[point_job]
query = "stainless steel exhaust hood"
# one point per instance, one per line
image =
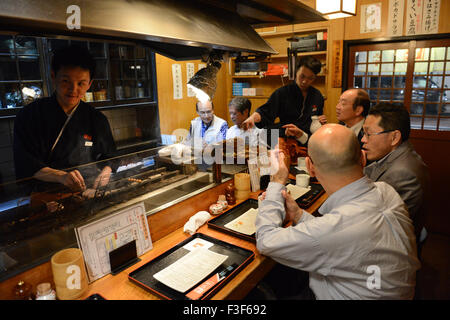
(178, 29)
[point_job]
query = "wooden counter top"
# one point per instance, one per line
(118, 287)
(166, 228)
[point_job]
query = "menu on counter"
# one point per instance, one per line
(96, 239)
(296, 191)
(189, 270)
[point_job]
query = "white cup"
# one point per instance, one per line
(302, 180)
(301, 162)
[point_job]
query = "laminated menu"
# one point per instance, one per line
(189, 270)
(296, 191)
(245, 223)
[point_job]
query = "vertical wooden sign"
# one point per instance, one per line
(336, 68)
(414, 17)
(177, 80)
(430, 15)
(189, 74)
(395, 18)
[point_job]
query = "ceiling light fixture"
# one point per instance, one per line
(204, 82)
(334, 9)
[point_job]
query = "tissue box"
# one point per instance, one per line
(252, 91)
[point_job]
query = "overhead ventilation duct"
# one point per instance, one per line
(179, 29)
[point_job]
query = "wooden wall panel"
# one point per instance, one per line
(178, 113)
(352, 24)
(435, 154)
(335, 33)
(444, 21)
(168, 220)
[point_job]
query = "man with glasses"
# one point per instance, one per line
(352, 108)
(394, 161)
(293, 104)
(207, 128)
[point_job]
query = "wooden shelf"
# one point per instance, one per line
(252, 97)
(312, 53)
(258, 77)
(300, 54)
(269, 34)
(244, 77)
(270, 76)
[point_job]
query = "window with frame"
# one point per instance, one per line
(415, 73)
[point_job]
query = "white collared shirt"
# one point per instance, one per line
(214, 133)
(356, 128)
(252, 134)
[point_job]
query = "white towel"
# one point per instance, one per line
(196, 221)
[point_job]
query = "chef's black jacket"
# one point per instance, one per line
(86, 138)
(287, 104)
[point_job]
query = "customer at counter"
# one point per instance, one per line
(207, 128)
(352, 109)
(54, 134)
(239, 109)
(294, 103)
(362, 247)
(385, 141)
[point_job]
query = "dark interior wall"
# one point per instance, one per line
(6, 153)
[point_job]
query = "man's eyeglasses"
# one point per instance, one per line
(368, 135)
(204, 113)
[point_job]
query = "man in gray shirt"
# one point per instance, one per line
(362, 247)
(394, 161)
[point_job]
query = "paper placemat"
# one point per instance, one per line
(245, 223)
(189, 270)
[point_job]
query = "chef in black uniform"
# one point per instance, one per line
(293, 104)
(53, 135)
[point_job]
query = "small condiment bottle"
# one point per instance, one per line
(45, 292)
(23, 291)
(223, 201)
